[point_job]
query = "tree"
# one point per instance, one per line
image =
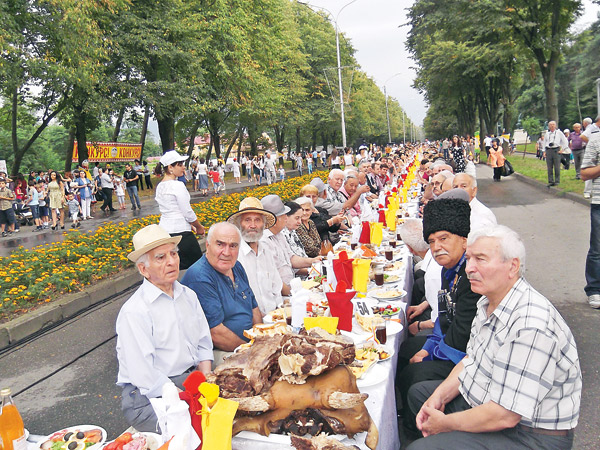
(542, 28)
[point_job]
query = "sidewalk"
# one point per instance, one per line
(27, 238)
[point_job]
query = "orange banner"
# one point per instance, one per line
(110, 151)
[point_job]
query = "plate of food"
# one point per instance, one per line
(385, 294)
(363, 326)
(81, 437)
(360, 367)
(394, 267)
(386, 310)
(377, 374)
(135, 441)
(389, 278)
(370, 350)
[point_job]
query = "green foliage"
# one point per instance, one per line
(533, 127)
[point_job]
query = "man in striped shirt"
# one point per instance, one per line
(520, 384)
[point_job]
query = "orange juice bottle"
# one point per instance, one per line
(12, 430)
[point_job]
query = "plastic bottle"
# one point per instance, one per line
(12, 431)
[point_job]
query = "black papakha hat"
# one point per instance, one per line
(447, 214)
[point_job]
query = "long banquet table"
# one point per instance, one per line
(381, 403)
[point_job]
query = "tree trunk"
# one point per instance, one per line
(549, 76)
(144, 130)
(192, 139)
(279, 137)
(240, 141)
(215, 138)
(70, 145)
(166, 130)
(298, 143)
(79, 116)
(252, 136)
(118, 124)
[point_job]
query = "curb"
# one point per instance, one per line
(552, 190)
(69, 306)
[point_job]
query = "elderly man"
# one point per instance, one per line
(162, 333)
(286, 261)
(447, 184)
(348, 190)
(222, 286)
(257, 257)
(445, 227)
(437, 182)
(335, 202)
(555, 143)
(520, 384)
(481, 215)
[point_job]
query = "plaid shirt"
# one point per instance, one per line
(591, 158)
(523, 357)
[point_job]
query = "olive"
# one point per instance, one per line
(72, 446)
(80, 435)
(67, 436)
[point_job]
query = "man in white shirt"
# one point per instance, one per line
(162, 333)
(555, 143)
(270, 167)
(286, 261)
(255, 256)
(106, 183)
(481, 215)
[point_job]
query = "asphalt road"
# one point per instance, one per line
(66, 376)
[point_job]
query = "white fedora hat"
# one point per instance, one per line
(148, 238)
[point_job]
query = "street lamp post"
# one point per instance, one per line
(339, 64)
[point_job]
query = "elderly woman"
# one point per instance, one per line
(293, 221)
(307, 230)
(325, 223)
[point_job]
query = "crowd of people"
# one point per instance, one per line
(52, 197)
(490, 362)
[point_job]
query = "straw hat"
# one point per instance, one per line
(149, 238)
(252, 204)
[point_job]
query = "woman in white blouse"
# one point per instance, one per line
(176, 214)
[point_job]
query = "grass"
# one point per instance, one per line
(536, 169)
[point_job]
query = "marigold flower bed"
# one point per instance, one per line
(30, 277)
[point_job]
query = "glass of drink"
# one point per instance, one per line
(379, 325)
(393, 243)
(378, 272)
(287, 310)
(389, 253)
(398, 237)
(353, 245)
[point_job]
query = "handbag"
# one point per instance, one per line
(507, 170)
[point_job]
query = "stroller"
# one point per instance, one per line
(23, 214)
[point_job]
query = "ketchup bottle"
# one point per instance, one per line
(12, 431)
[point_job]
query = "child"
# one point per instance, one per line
(74, 210)
(281, 173)
(118, 182)
(7, 213)
(44, 210)
(215, 177)
(34, 205)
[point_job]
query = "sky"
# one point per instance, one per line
(376, 30)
